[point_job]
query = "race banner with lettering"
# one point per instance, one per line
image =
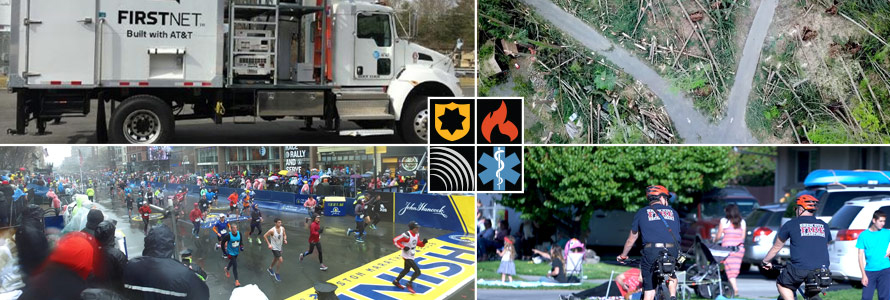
(436, 211)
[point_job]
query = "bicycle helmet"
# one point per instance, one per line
(808, 202)
(655, 191)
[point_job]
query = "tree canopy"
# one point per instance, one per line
(569, 183)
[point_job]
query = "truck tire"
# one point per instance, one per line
(415, 120)
(142, 119)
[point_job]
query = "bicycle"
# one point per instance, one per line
(665, 268)
(813, 285)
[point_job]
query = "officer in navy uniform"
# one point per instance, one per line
(809, 247)
(656, 223)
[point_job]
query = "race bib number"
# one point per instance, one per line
(223, 231)
(236, 244)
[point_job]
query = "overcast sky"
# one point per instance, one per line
(57, 153)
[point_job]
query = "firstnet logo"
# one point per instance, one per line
(163, 18)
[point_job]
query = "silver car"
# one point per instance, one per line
(763, 225)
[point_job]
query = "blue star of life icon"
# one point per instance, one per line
(499, 168)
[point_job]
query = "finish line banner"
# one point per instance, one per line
(445, 267)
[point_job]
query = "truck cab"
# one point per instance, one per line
(245, 60)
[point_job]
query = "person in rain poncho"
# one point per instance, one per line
(156, 275)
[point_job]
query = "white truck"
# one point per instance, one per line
(330, 60)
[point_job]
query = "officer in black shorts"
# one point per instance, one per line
(809, 247)
(656, 223)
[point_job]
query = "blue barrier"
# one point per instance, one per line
(291, 202)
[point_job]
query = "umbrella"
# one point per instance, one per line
(355, 176)
(282, 172)
(314, 177)
(325, 176)
(273, 178)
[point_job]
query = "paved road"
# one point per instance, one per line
(203, 131)
(748, 66)
(341, 253)
(690, 124)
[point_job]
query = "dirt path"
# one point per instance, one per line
(691, 126)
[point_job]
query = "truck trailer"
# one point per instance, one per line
(326, 60)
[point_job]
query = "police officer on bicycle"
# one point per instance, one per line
(660, 228)
(809, 247)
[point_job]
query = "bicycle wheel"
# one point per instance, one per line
(662, 292)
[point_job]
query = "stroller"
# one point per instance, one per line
(704, 278)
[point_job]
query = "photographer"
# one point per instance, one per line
(809, 247)
(658, 225)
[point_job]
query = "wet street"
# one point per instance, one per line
(341, 253)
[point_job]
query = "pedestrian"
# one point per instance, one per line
(507, 268)
(109, 272)
(91, 193)
(94, 217)
(732, 229)
(279, 238)
(315, 242)
(309, 204)
(408, 242)
(232, 246)
(57, 205)
(359, 222)
(196, 216)
(157, 275)
(233, 202)
(145, 212)
(221, 228)
(256, 220)
(873, 258)
(65, 272)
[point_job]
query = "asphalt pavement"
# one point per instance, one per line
(82, 130)
(341, 253)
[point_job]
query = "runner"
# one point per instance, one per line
(145, 212)
(359, 222)
(91, 193)
(278, 236)
(209, 196)
(196, 216)
(246, 199)
(233, 202)
(256, 219)
(408, 241)
(222, 227)
(232, 247)
(309, 204)
(315, 231)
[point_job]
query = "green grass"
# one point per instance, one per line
(488, 269)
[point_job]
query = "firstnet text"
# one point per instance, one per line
(138, 17)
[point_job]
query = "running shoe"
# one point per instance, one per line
(270, 272)
(249, 240)
(301, 256)
(217, 246)
(348, 231)
(323, 267)
(398, 285)
(410, 288)
(259, 241)
(227, 272)
(360, 240)
(278, 277)
(237, 284)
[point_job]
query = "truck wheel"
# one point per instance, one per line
(142, 119)
(415, 120)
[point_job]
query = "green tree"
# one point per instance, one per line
(566, 184)
(756, 166)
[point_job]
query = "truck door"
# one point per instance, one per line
(61, 42)
(373, 46)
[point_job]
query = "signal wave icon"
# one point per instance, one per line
(450, 170)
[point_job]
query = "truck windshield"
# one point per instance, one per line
(376, 27)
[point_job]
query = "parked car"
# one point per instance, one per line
(834, 188)
(846, 225)
(617, 221)
(705, 215)
(763, 225)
